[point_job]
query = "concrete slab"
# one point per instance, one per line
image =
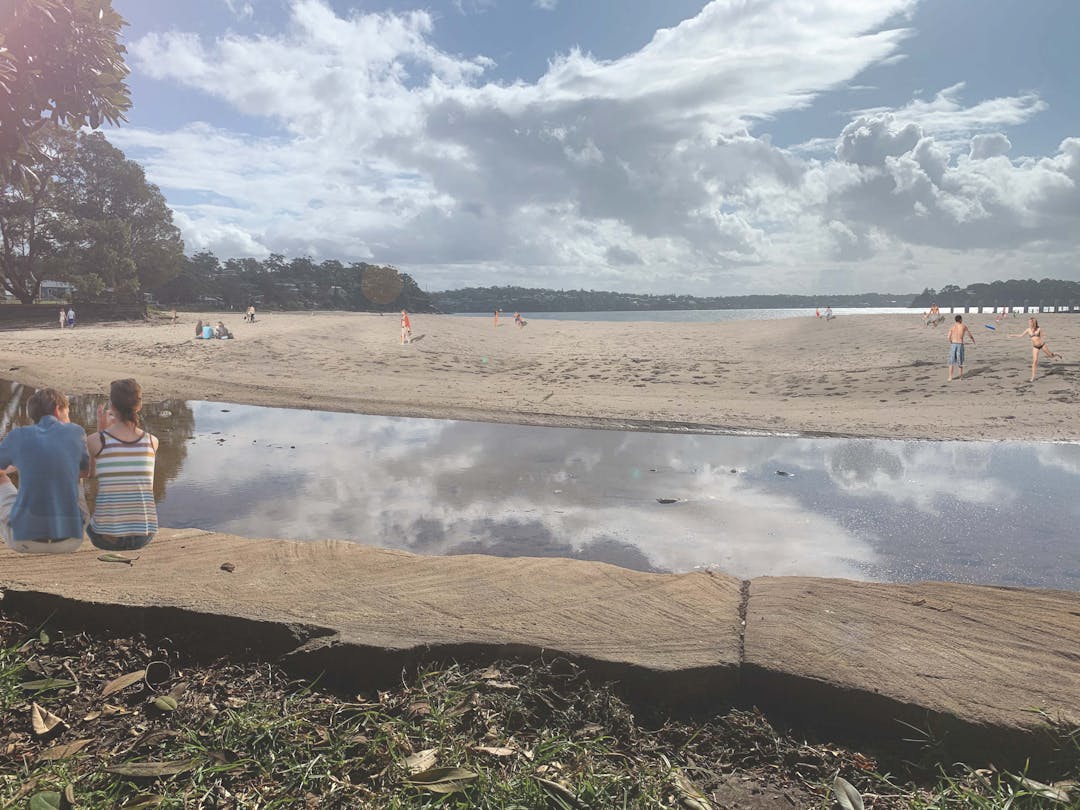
(341, 606)
(969, 662)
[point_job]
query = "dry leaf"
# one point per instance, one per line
(495, 751)
(491, 674)
(142, 801)
(502, 685)
(442, 780)
(690, 796)
(560, 792)
(43, 721)
(147, 770)
(1055, 793)
(63, 751)
(69, 795)
(47, 684)
(846, 794)
(91, 716)
(123, 682)
(421, 760)
(117, 558)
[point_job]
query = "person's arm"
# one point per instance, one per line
(969, 334)
(1025, 333)
(93, 447)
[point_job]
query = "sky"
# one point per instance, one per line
(711, 148)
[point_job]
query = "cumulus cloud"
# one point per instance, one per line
(650, 171)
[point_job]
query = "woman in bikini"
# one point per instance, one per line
(122, 459)
(1038, 344)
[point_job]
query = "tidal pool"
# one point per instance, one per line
(987, 512)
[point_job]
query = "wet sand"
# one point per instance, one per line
(866, 375)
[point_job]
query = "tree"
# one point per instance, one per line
(89, 211)
(60, 61)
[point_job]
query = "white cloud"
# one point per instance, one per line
(546, 5)
(241, 9)
(641, 172)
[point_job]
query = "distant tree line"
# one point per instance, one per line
(280, 283)
(1014, 292)
(488, 299)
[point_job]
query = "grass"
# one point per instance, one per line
(521, 736)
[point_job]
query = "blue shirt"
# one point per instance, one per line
(49, 456)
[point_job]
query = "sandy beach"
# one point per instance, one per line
(866, 375)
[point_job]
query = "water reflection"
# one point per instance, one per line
(973, 512)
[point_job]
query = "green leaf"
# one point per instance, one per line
(43, 637)
(47, 800)
(165, 703)
(846, 795)
(560, 793)
(148, 770)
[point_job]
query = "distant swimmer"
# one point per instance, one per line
(1038, 344)
(956, 345)
(406, 328)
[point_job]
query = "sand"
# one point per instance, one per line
(865, 375)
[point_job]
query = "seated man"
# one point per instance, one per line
(46, 514)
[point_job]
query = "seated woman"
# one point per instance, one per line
(122, 458)
(198, 329)
(222, 332)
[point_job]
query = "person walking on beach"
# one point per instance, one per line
(1038, 344)
(250, 317)
(46, 513)
(175, 317)
(122, 458)
(957, 332)
(63, 317)
(71, 318)
(406, 328)
(496, 319)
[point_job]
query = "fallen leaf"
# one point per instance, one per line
(1053, 792)
(49, 800)
(165, 703)
(420, 709)
(495, 751)
(502, 685)
(421, 760)
(690, 796)
(43, 721)
(43, 637)
(69, 795)
(442, 780)
(47, 684)
(123, 682)
(560, 792)
(141, 801)
(91, 716)
(846, 794)
(147, 770)
(178, 691)
(491, 674)
(63, 751)
(117, 558)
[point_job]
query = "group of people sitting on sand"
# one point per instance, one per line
(47, 512)
(204, 331)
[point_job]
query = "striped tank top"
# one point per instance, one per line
(125, 495)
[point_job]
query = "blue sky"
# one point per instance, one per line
(713, 147)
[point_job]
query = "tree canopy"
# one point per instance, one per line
(90, 217)
(60, 61)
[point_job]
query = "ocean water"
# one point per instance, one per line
(696, 315)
